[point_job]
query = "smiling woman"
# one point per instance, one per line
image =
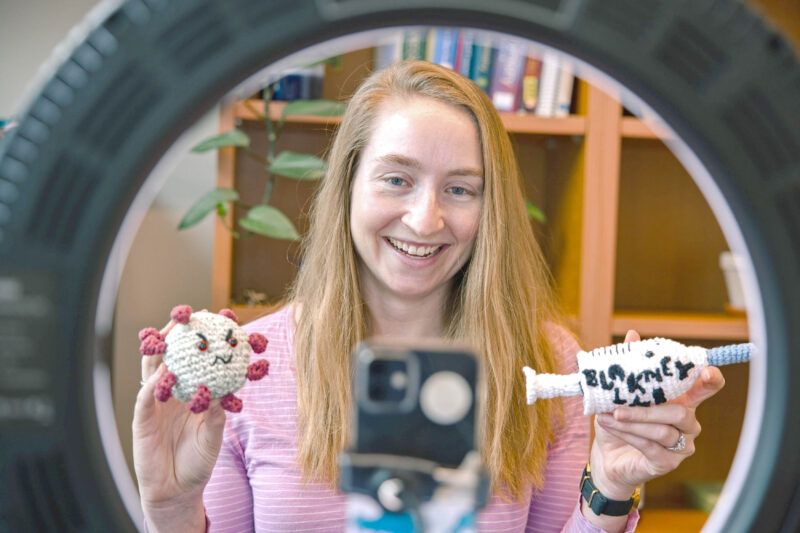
(110, 104)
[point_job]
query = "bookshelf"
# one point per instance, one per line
(599, 176)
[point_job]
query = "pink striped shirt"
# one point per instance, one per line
(256, 484)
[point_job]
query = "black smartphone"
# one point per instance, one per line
(414, 448)
(415, 401)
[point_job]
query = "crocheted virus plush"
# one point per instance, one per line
(207, 356)
(648, 372)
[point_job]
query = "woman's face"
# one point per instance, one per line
(416, 198)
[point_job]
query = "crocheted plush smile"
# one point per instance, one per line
(207, 355)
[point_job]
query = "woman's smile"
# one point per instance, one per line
(416, 251)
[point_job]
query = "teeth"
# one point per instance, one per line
(416, 251)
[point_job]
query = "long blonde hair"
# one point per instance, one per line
(500, 304)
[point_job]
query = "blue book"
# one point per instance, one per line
(300, 84)
(445, 47)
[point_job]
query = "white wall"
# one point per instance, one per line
(164, 267)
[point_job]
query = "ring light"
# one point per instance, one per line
(138, 72)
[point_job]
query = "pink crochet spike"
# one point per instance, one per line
(258, 370)
(164, 387)
(153, 344)
(229, 314)
(181, 314)
(200, 399)
(258, 342)
(147, 332)
(231, 403)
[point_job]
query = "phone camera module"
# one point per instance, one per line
(388, 380)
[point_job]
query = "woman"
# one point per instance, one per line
(419, 230)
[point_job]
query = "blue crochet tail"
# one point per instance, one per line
(734, 353)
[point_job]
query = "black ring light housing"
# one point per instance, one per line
(142, 71)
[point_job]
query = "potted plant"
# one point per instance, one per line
(262, 218)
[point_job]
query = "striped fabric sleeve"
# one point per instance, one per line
(228, 497)
(552, 507)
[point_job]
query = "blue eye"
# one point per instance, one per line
(394, 180)
(458, 191)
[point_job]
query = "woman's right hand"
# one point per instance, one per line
(174, 452)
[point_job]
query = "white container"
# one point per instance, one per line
(730, 269)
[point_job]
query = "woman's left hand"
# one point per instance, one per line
(631, 444)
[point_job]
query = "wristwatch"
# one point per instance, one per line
(599, 504)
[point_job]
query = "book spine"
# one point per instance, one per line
(548, 86)
(414, 43)
(445, 45)
(530, 83)
(507, 75)
(482, 57)
(566, 82)
(466, 40)
(430, 44)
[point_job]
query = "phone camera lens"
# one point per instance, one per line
(388, 380)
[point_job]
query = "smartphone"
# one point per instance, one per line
(413, 463)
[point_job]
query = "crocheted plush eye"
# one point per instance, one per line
(202, 345)
(233, 342)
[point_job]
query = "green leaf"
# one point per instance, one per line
(298, 166)
(269, 221)
(534, 212)
(229, 138)
(208, 203)
(319, 108)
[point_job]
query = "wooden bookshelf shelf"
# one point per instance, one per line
(514, 122)
(634, 128)
(531, 124)
(254, 109)
(687, 325)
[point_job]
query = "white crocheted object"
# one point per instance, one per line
(221, 365)
(644, 373)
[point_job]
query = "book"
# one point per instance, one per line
(530, 83)
(430, 43)
(464, 48)
(445, 45)
(566, 82)
(303, 83)
(507, 70)
(415, 43)
(548, 85)
(482, 58)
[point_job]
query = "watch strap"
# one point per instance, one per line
(600, 504)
